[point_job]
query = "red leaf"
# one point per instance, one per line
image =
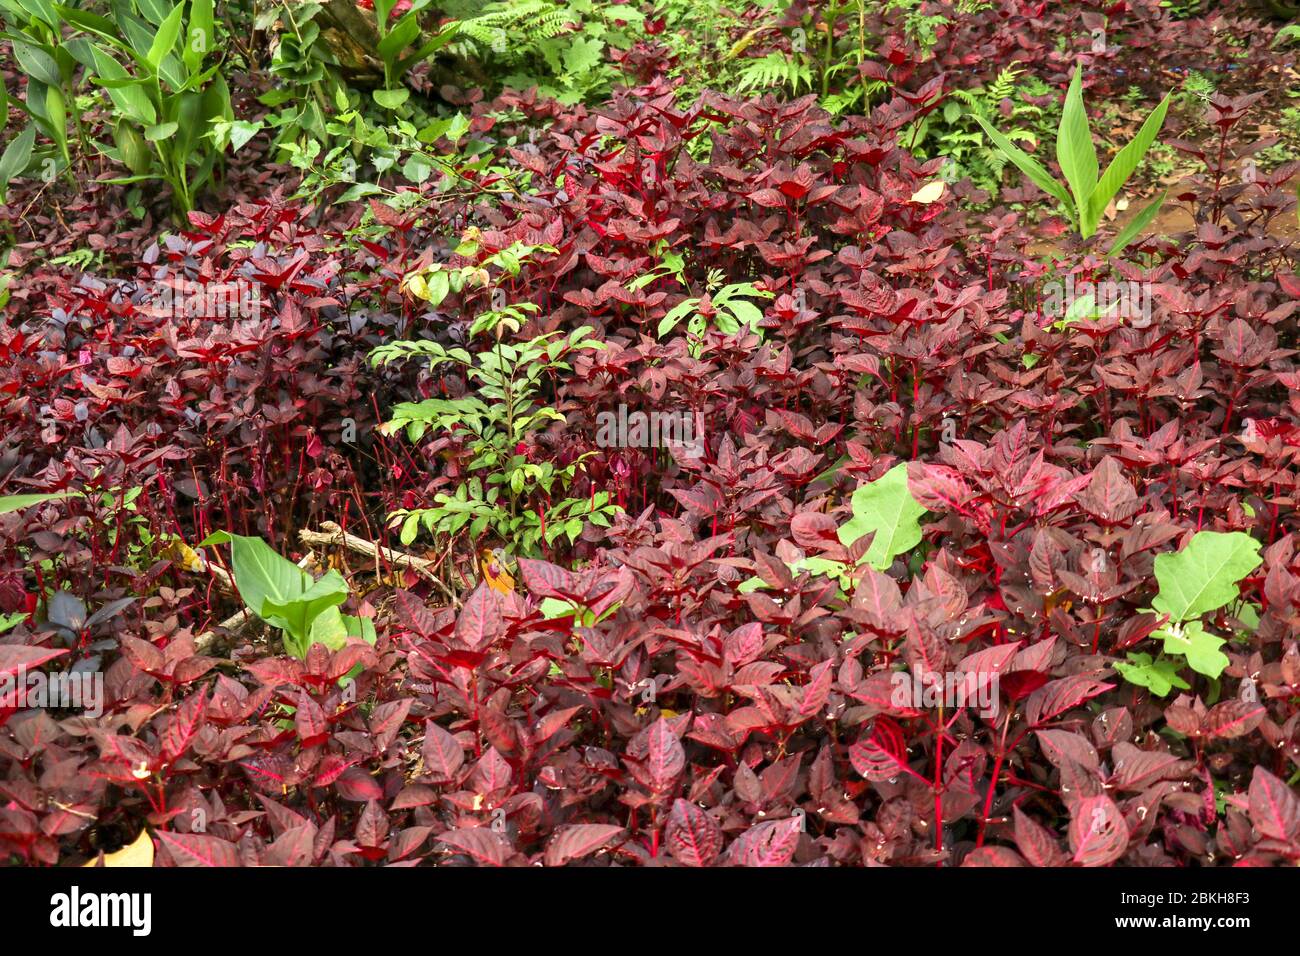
(372, 827)
(480, 619)
(1036, 843)
(882, 755)
(743, 644)
(1233, 718)
(20, 657)
(693, 836)
(575, 842)
(309, 721)
(357, 785)
(768, 844)
(665, 759)
(818, 689)
(1274, 807)
(490, 774)
(481, 844)
(196, 849)
(1098, 833)
(993, 856)
(1064, 743)
(412, 614)
(1058, 696)
(442, 753)
(182, 725)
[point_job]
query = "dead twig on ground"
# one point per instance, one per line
(332, 534)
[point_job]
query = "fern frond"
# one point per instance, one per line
(774, 70)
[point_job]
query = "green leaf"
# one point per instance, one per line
(391, 99)
(160, 131)
(1199, 646)
(10, 503)
(583, 54)
(200, 35)
(164, 41)
(57, 116)
(92, 23)
(14, 160)
(35, 62)
(1158, 676)
(1074, 149)
(1204, 575)
(886, 507)
(401, 36)
(1121, 168)
(675, 315)
(1029, 166)
(1136, 225)
(130, 97)
(298, 616)
(262, 575)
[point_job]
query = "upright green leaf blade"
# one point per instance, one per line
(200, 35)
(164, 41)
(886, 507)
(1203, 576)
(1074, 149)
(1029, 166)
(1121, 168)
(1136, 225)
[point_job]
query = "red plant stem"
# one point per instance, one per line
(993, 783)
(938, 787)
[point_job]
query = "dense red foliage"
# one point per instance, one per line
(696, 723)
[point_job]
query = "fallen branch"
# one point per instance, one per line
(332, 534)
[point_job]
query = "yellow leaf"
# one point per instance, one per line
(139, 853)
(187, 557)
(495, 573)
(415, 285)
(928, 193)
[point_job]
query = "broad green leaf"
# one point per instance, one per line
(164, 41)
(1121, 168)
(1203, 576)
(200, 35)
(262, 574)
(1158, 676)
(130, 97)
(675, 315)
(57, 115)
(1029, 166)
(1074, 150)
(398, 39)
(161, 131)
(391, 99)
(1136, 225)
(886, 507)
(92, 23)
(429, 48)
(36, 62)
(1201, 648)
(10, 503)
(297, 615)
(362, 627)
(327, 628)
(14, 160)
